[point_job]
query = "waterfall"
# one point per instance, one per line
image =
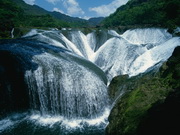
(61, 86)
(12, 33)
(147, 36)
(65, 73)
(81, 42)
(135, 51)
(153, 56)
(115, 54)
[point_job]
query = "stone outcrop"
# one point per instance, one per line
(150, 103)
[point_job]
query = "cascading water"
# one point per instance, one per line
(115, 54)
(64, 87)
(147, 36)
(135, 51)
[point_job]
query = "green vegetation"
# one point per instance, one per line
(9, 14)
(136, 13)
(21, 16)
(132, 114)
(43, 21)
(164, 13)
(17, 14)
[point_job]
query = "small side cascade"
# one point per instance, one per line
(12, 33)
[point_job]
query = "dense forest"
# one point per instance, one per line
(163, 13)
(9, 16)
(18, 14)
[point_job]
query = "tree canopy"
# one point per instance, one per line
(13, 15)
(165, 13)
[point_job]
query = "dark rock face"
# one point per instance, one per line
(117, 86)
(14, 62)
(162, 118)
(152, 106)
(13, 91)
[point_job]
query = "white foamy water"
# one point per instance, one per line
(80, 40)
(31, 33)
(153, 56)
(12, 120)
(5, 123)
(130, 53)
(147, 36)
(116, 56)
(66, 87)
(50, 120)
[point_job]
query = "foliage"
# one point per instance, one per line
(132, 107)
(165, 13)
(17, 14)
(42, 21)
(148, 91)
(9, 14)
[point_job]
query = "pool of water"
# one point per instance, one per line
(35, 124)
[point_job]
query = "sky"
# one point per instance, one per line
(80, 8)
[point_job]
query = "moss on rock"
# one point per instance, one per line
(132, 109)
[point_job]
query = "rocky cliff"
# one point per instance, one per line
(150, 103)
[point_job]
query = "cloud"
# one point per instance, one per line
(53, 1)
(106, 10)
(73, 7)
(30, 2)
(58, 10)
(86, 17)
